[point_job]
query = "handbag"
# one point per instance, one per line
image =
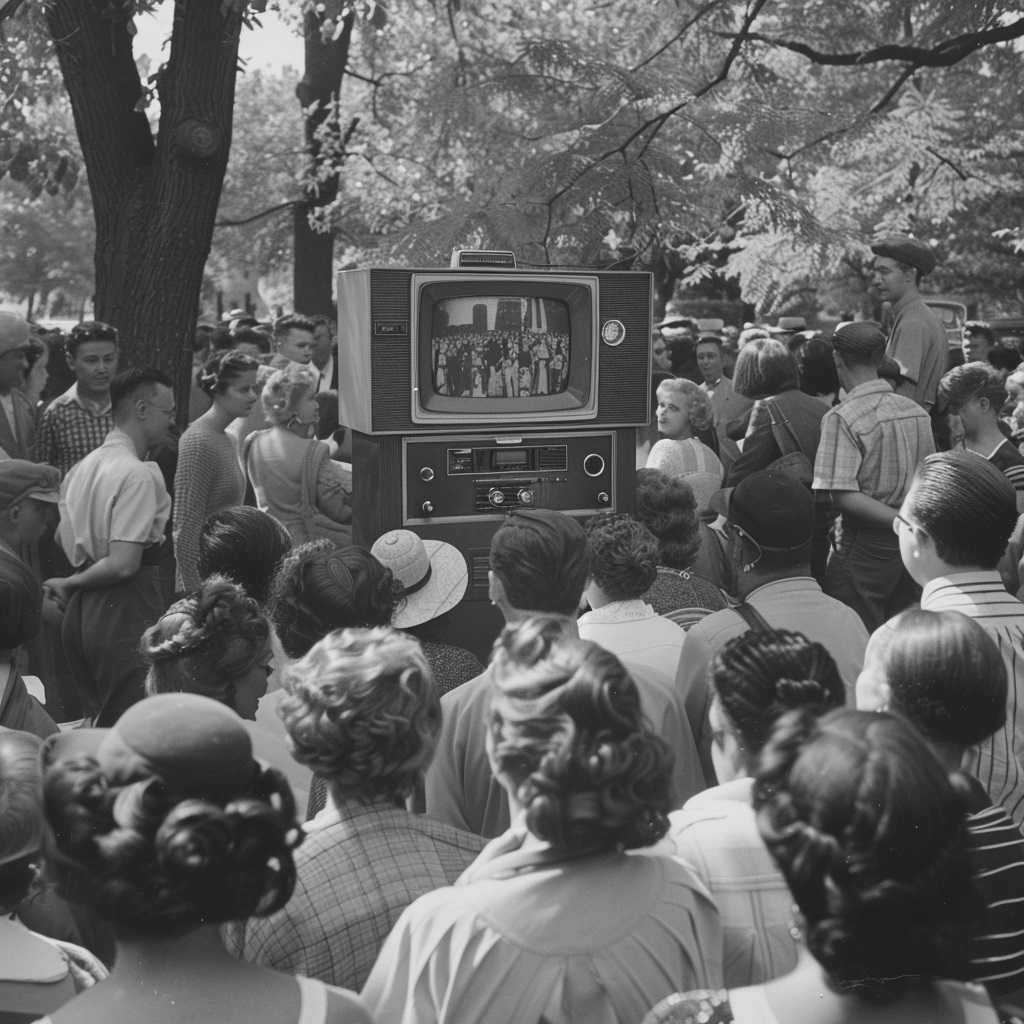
(792, 462)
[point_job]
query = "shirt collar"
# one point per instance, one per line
(958, 582)
(868, 388)
(789, 585)
(621, 611)
(349, 812)
(72, 395)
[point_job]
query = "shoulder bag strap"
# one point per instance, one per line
(781, 430)
(751, 616)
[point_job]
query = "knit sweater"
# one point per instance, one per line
(209, 478)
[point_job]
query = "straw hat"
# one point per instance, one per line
(433, 574)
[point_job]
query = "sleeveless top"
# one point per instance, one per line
(312, 1004)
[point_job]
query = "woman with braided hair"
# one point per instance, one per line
(756, 678)
(555, 921)
(868, 830)
(166, 827)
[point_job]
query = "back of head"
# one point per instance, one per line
(285, 390)
(764, 367)
(292, 322)
(859, 344)
(971, 381)
(966, 506)
(253, 336)
(362, 712)
(568, 738)
(944, 672)
(155, 845)
(868, 830)
(542, 560)
(21, 811)
(21, 602)
(817, 368)
(760, 675)
(319, 589)
(623, 555)
(245, 545)
(131, 385)
(206, 643)
(667, 507)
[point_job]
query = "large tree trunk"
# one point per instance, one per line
(155, 200)
(321, 83)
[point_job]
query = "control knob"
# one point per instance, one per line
(603, 498)
(428, 508)
(496, 496)
(526, 496)
(426, 474)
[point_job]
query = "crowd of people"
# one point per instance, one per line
(500, 364)
(752, 752)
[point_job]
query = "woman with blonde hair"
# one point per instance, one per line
(292, 473)
(362, 712)
(555, 921)
(684, 409)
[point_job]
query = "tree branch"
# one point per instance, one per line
(256, 216)
(944, 55)
(687, 25)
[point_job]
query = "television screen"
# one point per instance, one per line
(500, 346)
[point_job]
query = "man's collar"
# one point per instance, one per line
(975, 579)
(74, 395)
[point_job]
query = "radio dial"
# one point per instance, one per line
(603, 498)
(525, 497)
(593, 465)
(428, 508)
(426, 474)
(496, 496)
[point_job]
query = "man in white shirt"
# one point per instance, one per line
(113, 511)
(953, 527)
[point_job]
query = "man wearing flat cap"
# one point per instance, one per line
(917, 341)
(871, 445)
(17, 419)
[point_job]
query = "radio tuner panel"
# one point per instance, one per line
(474, 478)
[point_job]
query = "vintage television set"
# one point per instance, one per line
(473, 391)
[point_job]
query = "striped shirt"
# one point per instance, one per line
(1010, 462)
(997, 762)
(996, 852)
(872, 442)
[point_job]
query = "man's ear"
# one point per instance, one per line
(496, 590)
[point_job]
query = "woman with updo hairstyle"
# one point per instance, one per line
(943, 672)
(209, 477)
(766, 371)
(555, 920)
(219, 644)
(691, 561)
(319, 588)
(362, 712)
(684, 411)
(166, 827)
(756, 678)
(292, 473)
(867, 828)
(245, 545)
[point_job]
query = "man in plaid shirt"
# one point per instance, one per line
(871, 445)
(78, 421)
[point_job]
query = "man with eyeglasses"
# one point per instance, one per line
(114, 508)
(871, 444)
(769, 522)
(78, 421)
(953, 527)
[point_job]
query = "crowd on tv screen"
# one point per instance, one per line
(750, 752)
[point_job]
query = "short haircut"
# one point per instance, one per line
(568, 736)
(979, 327)
(698, 401)
(248, 336)
(667, 507)
(709, 339)
(292, 322)
(246, 545)
(945, 674)
(623, 555)
(761, 674)
(88, 330)
(205, 643)
(320, 588)
(362, 712)
(323, 320)
(222, 370)
(542, 560)
(966, 506)
(130, 385)
(765, 367)
(970, 381)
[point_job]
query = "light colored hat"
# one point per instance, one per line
(433, 574)
(14, 333)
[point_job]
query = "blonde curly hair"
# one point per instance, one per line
(702, 413)
(284, 390)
